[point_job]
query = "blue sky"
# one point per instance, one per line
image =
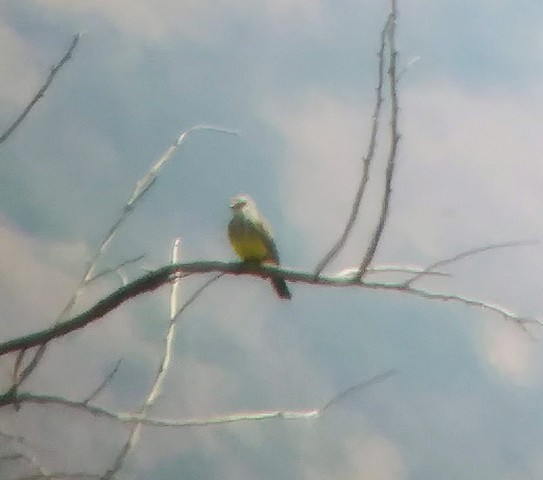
(296, 79)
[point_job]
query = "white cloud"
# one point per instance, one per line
(468, 169)
(510, 350)
(362, 456)
(474, 155)
(19, 78)
(324, 141)
(203, 20)
(469, 174)
(33, 288)
(374, 456)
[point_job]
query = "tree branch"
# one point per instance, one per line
(142, 187)
(175, 314)
(130, 418)
(60, 476)
(157, 278)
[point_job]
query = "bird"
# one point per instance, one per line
(252, 240)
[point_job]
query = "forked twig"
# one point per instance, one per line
(366, 162)
(130, 418)
(394, 140)
(142, 186)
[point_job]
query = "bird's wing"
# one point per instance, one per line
(266, 235)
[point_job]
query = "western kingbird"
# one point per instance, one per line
(252, 240)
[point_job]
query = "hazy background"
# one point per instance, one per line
(297, 79)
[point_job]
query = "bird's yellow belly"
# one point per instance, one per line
(249, 247)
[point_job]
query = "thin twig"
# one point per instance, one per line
(380, 269)
(142, 187)
(107, 271)
(145, 183)
(60, 476)
(358, 387)
(41, 92)
(472, 302)
(465, 254)
(395, 138)
(104, 383)
(366, 163)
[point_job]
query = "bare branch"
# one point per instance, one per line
(163, 275)
(147, 181)
(366, 163)
(165, 363)
(142, 186)
(465, 254)
(394, 140)
(133, 436)
(104, 383)
(472, 302)
(204, 421)
(379, 269)
(41, 92)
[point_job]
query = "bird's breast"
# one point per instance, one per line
(247, 242)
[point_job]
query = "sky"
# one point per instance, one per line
(296, 79)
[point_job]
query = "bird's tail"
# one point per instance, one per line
(280, 286)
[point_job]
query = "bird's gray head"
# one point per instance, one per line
(239, 202)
